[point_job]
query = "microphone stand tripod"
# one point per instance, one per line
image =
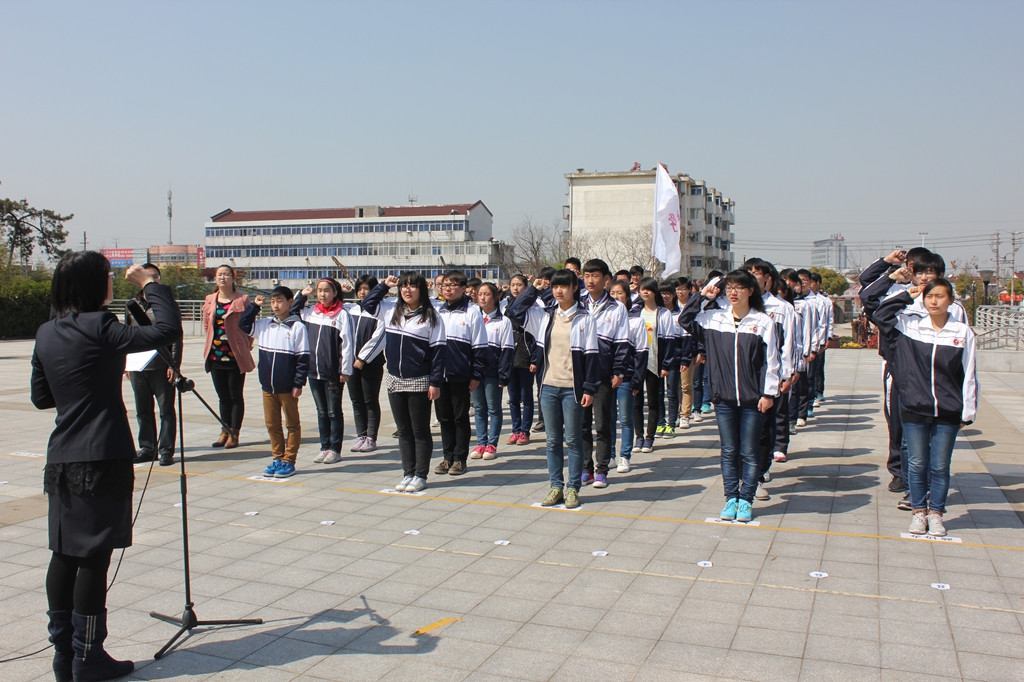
(188, 620)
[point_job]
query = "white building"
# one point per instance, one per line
(830, 253)
(295, 247)
(611, 214)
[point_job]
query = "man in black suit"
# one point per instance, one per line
(155, 382)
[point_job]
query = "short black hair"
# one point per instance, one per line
(368, 280)
(816, 277)
(597, 265)
(546, 273)
(150, 266)
(930, 261)
(682, 282)
(636, 270)
(282, 290)
(574, 260)
(804, 272)
(458, 277)
(80, 283)
(620, 273)
(917, 252)
(474, 282)
(712, 274)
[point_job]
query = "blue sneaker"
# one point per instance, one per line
(284, 470)
(586, 479)
(705, 408)
(743, 511)
(272, 467)
(729, 512)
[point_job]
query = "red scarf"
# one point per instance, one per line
(331, 310)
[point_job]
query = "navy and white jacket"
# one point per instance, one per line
(686, 345)
(742, 359)
(413, 347)
(284, 349)
(612, 327)
(806, 322)
(367, 335)
(638, 352)
(466, 339)
(500, 346)
(935, 369)
(330, 340)
(582, 338)
(784, 316)
(668, 335)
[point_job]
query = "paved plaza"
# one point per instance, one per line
(471, 580)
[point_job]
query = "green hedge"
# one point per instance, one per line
(24, 305)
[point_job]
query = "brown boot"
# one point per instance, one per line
(232, 442)
(221, 440)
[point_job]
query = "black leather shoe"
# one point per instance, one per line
(144, 457)
(166, 460)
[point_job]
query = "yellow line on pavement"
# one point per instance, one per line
(669, 519)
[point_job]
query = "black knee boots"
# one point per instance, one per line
(91, 663)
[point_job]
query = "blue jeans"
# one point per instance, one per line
(563, 420)
(520, 399)
(668, 397)
(329, 417)
(487, 411)
(739, 429)
(929, 451)
(622, 412)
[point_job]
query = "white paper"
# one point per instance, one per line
(600, 553)
(252, 513)
(501, 542)
(412, 532)
(712, 519)
(327, 523)
(704, 564)
(136, 362)
(940, 586)
(944, 538)
(818, 574)
(400, 492)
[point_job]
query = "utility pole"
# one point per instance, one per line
(85, 241)
(170, 215)
(922, 235)
(995, 249)
(1014, 245)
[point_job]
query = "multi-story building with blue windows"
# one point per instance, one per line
(295, 247)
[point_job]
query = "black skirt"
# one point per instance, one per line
(90, 506)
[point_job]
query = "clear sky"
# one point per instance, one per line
(876, 120)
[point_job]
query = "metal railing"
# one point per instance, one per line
(999, 327)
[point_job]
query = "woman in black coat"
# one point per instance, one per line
(77, 367)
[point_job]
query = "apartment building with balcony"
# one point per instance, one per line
(612, 214)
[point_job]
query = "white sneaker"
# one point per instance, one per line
(696, 418)
(935, 527)
(403, 484)
(332, 457)
(416, 485)
(357, 446)
(435, 424)
(623, 467)
(817, 402)
(684, 423)
(762, 493)
(767, 476)
(320, 457)
(779, 456)
(918, 524)
(801, 422)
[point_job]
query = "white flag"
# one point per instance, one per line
(666, 222)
